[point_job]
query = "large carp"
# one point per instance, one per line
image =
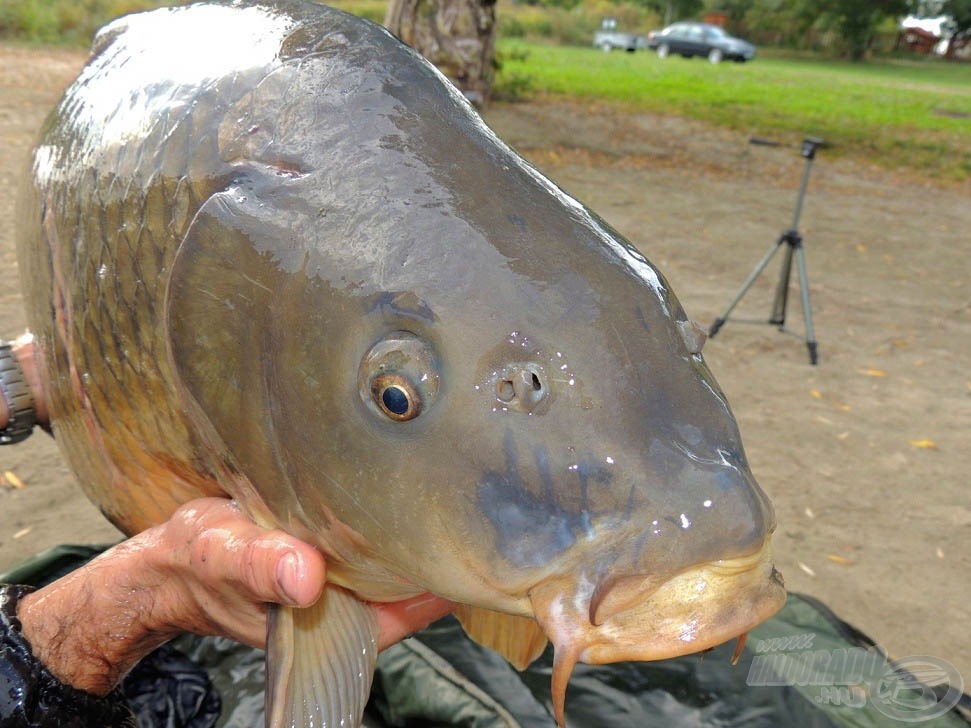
(269, 251)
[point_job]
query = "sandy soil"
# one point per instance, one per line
(864, 455)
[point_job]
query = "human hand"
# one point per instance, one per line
(207, 570)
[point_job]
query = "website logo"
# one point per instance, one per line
(909, 689)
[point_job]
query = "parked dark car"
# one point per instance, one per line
(699, 39)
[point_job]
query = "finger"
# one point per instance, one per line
(271, 566)
(299, 575)
(397, 620)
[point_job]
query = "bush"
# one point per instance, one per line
(511, 85)
(524, 21)
(75, 22)
(64, 21)
(371, 9)
(570, 26)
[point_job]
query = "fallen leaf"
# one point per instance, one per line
(837, 559)
(925, 444)
(806, 568)
(873, 372)
(816, 394)
(809, 512)
(842, 435)
(10, 477)
(23, 532)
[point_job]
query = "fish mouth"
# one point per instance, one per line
(635, 618)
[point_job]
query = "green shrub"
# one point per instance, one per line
(523, 21)
(512, 84)
(370, 9)
(28, 21)
(64, 21)
(571, 26)
(75, 22)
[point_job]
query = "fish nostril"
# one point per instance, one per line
(529, 390)
(521, 386)
(537, 392)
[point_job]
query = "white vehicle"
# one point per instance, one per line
(608, 38)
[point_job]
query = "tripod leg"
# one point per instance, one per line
(759, 267)
(806, 310)
(778, 317)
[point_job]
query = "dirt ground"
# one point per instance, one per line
(864, 455)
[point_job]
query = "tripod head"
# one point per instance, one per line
(810, 145)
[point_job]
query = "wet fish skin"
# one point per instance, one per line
(231, 257)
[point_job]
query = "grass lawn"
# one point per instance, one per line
(896, 113)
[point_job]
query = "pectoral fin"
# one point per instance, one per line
(320, 662)
(519, 639)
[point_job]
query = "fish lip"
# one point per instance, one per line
(676, 618)
(613, 597)
(694, 610)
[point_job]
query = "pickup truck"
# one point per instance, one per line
(608, 38)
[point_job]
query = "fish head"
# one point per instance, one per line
(584, 466)
(418, 352)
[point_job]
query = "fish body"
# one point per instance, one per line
(268, 251)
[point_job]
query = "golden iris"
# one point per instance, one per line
(396, 397)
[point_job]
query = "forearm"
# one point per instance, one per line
(33, 696)
(92, 626)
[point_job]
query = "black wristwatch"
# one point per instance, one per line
(20, 402)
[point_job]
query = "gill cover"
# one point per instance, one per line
(221, 337)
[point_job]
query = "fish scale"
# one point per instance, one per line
(118, 226)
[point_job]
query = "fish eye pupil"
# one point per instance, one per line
(398, 377)
(396, 400)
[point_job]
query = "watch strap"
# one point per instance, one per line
(22, 416)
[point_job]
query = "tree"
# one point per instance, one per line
(854, 20)
(960, 11)
(736, 9)
(673, 10)
(458, 36)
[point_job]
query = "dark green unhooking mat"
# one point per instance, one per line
(804, 667)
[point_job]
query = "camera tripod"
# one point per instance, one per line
(792, 241)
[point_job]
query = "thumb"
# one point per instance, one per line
(277, 568)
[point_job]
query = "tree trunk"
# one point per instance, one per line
(458, 36)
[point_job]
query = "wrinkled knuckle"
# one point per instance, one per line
(257, 561)
(202, 548)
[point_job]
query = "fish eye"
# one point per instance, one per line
(399, 377)
(396, 397)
